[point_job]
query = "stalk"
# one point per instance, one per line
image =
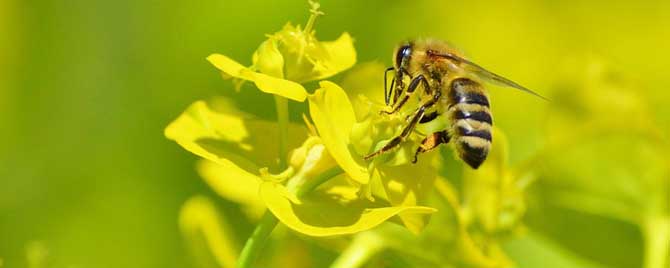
(254, 245)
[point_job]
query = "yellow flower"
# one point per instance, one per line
(239, 153)
(237, 150)
(289, 57)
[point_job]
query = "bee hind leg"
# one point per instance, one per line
(431, 142)
(429, 117)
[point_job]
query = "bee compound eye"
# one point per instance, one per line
(403, 52)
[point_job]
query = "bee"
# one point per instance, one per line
(451, 87)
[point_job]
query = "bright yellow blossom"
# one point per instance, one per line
(290, 57)
(235, 160)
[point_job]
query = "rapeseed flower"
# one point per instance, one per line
(238, 159)
(290, 57)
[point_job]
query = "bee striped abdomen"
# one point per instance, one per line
(471, 121)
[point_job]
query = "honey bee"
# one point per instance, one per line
(451, 86)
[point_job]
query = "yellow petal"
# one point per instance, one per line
(228, 66)
(409, 185)
(264, 82)
(277, 86)
(216, 132)
(268, 59)
(199, 219)
(341, 55)
(335, 210)
(334, 118)
(308, 59)
(235, 184)
(198, 131)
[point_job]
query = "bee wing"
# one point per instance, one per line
(488, 75)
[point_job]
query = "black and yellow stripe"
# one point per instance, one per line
(471, 121)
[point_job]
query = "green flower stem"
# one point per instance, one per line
(255, 243)
(281, 105)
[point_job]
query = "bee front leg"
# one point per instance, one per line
(408, 129)
(400, 138)
(413, 85)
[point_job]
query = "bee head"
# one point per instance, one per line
(402, 55)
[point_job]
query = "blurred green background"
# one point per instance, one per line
(86, 88)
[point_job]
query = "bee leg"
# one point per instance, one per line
(429, 117)
(407, 130)
(413, 85)
(431, 142)
(387, 92)
(400, 138)
(400, 87)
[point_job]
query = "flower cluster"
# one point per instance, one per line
(240, 150)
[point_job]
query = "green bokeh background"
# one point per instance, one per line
(86, 88)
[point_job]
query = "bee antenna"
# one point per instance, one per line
(387, 95)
